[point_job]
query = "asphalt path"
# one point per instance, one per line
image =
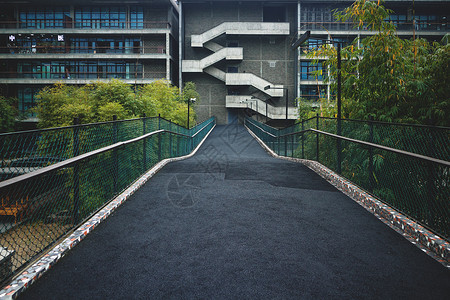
(233, 222)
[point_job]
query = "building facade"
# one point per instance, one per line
(238, 53)
(76, 42)
(240, 56)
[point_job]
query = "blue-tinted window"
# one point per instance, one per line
(100, 17)
(313, 92)
(136, 17)
(44, 17)
(310, 71)
(79, 69)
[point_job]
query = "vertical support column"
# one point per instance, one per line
(115, 159)
(76, 172)
(168, 57)
(144, 143)
(317, 138)
(371, 178)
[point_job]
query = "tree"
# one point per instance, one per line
(8, 114)
(384, 76)
(59, 104)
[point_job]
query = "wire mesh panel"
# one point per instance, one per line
(39, 208)
(418, 187)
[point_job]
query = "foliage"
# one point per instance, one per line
(389, 78)
(8, 114)
(59, 104)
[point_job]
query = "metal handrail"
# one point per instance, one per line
(72, 126)
(212, 119)
(73, 160)
(411, 154)
(263, 130)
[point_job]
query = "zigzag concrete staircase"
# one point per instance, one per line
(242, 28)
(235, 53)
(259, 106)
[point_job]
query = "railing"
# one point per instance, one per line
(55, 49)
(405, 166)
(407, 26)
(84, 24)
(42, 206)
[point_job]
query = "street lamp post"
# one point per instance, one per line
(287, 97)
(297, 44)
(189, 101)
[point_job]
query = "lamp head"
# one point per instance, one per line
(303, 38)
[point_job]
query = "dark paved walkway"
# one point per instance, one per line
(233, 222)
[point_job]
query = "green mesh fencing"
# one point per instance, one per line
(419, 188)
(39, 208)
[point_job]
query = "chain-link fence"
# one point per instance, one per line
(405, 166)
(53, 197)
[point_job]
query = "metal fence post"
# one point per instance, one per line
(431, 180)
(317, 138)
(144, 143)
(159, 138)
(115, 159)
(170, 139)
(371, 178)
(76, 172)
(292, 146)
(303, 140)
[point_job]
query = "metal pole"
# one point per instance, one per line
(317, 138)
(189, 101)
(115, 162)
(159, 138)
(339, 116)
(76, 172)
(371, 178)
(170, 139)
(303, 140)
(287, 102)
(144, 146)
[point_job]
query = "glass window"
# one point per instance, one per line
(43, 17)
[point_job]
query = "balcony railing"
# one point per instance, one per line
(81, 50)
(84, 24)
(401, 26)
(82, 75)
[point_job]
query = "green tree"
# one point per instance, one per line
(8, 114)
(390, 78)
(59, 104)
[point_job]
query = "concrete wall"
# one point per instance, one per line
(259, 52)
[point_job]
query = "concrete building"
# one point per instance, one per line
(234, 50)
(77, 42)
(238, 53)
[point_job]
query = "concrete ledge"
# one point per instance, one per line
(430, 243)
(36, 270)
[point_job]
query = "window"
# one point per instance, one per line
(309, 71)
(27, 99)
(136, 17)
(313, 92)
(44, 17)
(100, 17)
(106, 45)
(79, 69)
